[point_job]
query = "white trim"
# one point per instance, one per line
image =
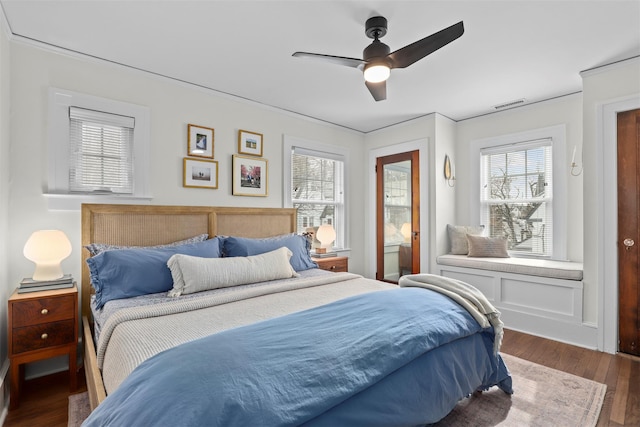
(560, 177)
(332, 151)
(422, 145)
(607, 177)
(73, 202)
(58, 179)
(608, 67)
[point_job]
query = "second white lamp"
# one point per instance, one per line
(325, 235)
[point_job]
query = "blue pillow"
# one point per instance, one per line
(128, 273)
(297, 244)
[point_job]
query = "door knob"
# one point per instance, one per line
(628, 243)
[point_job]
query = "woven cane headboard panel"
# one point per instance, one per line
(147, 225)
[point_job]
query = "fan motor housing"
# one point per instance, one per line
(377, 49)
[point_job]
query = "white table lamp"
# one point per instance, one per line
(405, 230)
(325, 235)
(47, 249)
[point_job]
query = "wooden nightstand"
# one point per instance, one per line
(335, 263)
(42, 325)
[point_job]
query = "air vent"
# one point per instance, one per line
(509, 104)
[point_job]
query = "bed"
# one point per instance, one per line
(313, 348)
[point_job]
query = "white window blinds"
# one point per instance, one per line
(100, 152)
(517, 195)
(317, 190)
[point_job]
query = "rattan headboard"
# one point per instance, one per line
(147, 225)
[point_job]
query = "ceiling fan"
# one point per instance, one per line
(377, 62)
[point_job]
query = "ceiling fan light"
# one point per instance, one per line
(377, 73)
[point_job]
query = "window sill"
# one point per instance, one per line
(73, 202)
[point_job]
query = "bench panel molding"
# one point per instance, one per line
(542, 306)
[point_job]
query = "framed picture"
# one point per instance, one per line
(200, 173)
(200, 141)
(249, 143)
(249, 176)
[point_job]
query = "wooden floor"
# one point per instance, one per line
(44, 402)
(620, 373)
(45, 399)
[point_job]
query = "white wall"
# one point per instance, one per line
(173, 106)
(566, 111)
(5, 89)
(5, 177)
(608, 86)
(408, 136)
(444, 196)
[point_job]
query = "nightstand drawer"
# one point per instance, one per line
(44, 335)
(335, 264)
(43, 310)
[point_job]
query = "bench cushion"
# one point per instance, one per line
(532, 267)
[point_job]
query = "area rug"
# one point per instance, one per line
(79, 409)
(542, 397)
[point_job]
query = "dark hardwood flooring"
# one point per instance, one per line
(45, 400)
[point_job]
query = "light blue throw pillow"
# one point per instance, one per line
(128, 273)
(297, 244)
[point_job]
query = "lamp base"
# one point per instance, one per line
(321, 250)
(51, 271)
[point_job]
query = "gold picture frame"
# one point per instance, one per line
(250, 176)
(200, 141)
(249, 143)
(200, 173)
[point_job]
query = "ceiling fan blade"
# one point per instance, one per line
(414, 52)
(339, 60)
(378, 90)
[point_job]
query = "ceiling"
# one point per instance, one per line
(511, 50)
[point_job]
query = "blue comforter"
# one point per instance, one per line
(390, 358)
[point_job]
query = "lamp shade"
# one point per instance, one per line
(326, 235)
(47, 249)
(406, 231)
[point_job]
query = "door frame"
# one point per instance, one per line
(414, 178)
(607, 171)
(422, 146)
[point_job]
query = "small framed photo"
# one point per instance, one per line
(200, 141)
(249, 176)
(200, 173)
(249, 143)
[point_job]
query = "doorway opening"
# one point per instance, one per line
(397, 215)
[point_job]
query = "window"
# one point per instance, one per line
(101, 152)
(316, 186)
(98, 150)
(517, 195)
(521, 191)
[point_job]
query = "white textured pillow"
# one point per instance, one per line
(491, 247)
(194, 274)
(458, 237)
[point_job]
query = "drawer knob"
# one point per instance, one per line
(44, 311)
(44, 336)
(333, 267)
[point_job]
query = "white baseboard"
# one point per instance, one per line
(582, 335)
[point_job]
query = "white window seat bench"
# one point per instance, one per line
(536, 296)
(527, 266)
